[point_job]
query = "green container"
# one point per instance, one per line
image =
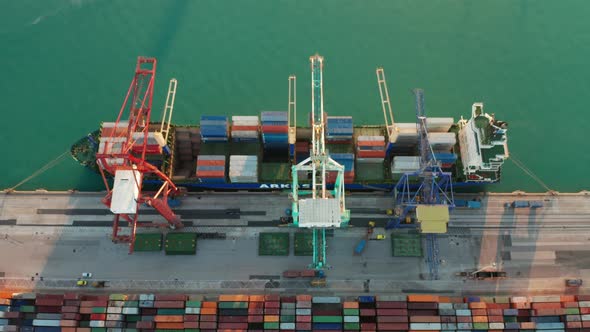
(172, 312)
(273, 244)
(192, 330)
(193, 304)
(352, 326)
(271, 326)
(132, 318)
(148, 242)
(27, 308)
(572, 311)
(233, 305)
(117, 297)
(98, 329)
(84, 323)
(129, 330)
(99, 310)
(303, 244)
(288, 319)
(164, 330)
(510, 319)
(327, 319)
(480, 326)
(351, 312)
(406, 245)
(131, 304)
(181, 244)
(274, 172)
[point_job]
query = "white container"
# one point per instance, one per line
(496, 326)
(303, 312)
(463, 312)
(351, 319)
(97, 323)
(287, 326)
(131, 311)
(326, 299)
(192, 311)
(114, 310)
(47, 322)
(425, 326)
(545, 299)
(118, 317)
(436, 125)
(445, 305)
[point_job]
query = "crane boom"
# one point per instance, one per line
(386, 107)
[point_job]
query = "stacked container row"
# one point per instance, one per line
(370, 149)
(346, 160)
(275, 131)
(339, 129)
(245, 128)
(211, 168)
(214, 128)
(243, 169)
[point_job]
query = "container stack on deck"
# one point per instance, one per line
(301, 151)
(370, 149)
(243, 169)
(214, 128)
(29, 312)
(404, 164)
(339, 129)
(346, 160)
(112, 140)
(211, 168)
(275, 131)
(245, 128)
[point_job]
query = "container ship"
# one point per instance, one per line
(257, 152)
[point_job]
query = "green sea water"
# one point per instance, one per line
(66, 66)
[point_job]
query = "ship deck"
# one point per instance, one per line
(58, 236)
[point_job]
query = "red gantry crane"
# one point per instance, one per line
(123, 156)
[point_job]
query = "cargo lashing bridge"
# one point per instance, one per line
(318, 208)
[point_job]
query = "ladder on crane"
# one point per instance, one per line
(168, 109)
(292, 112)
(392, 131)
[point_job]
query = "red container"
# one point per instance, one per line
(569, 304)
(49, 302)
(424, 319)
(495, 312)
(207, 325)
(371, 154)
(72, 303)
(585, 311)
(496, 319)
(68, 329)
(272, 304)
(498, 305)
(304, 297)
(144, 325)
(423, 305)
(100, 303)
(191, 318)
(191, 325)
(170, 326)
(323, 312)
(204, 162)
(12, 314)
(256, 319)
(549, 312)
(233, 319)
(233, 326)
(303, 326)
(275, 129)
(49, 310)
(422, 312)
(255, 311)
(272, 311)
(71, 296)
(392, 304)
(272, 298)
(244, 128)
(368, 326)
(303, 319)
(394, 319)
(85, 310)
(254, 305)
(171, 297)
(463, 319)
(367, 312)
(583, 297)
(208, 318)
(69, 309)
(50, 296)
(448, 319)
(546, 305)
(293, 299)
(393, 327)
(392, 312)
(478, 312)
(98, 316)
(202, 174)
(71, 315)
(574, 325)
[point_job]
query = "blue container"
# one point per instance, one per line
(366, 299)
(549, 326)
(4, 308)
(327, 326)
(546, 319)
(212, 180)
(210, 168)
(47, 329)
(214, 118)
(27, 328)
(511, 325)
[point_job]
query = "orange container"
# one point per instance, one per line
(527, 325)
(546, 305)
(477, 305)
(4, 301)
(209, 304)
(208, 311)
(68, 323)
(170, 326)
(496, 319)
(68, 329)
(479, 312)
(569, 304)
(567, 298)
(233, 298)
(520, 305)
(191, 325)
(303, 297)
(480, 319)
(424, 319)
(422, 298)
(351, 305)
(271, 319)
(444, 299)
(83, 329)
(256, 298)
(168, 318)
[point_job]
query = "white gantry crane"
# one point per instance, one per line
(319, 208)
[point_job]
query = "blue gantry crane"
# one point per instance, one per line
(431, 199)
